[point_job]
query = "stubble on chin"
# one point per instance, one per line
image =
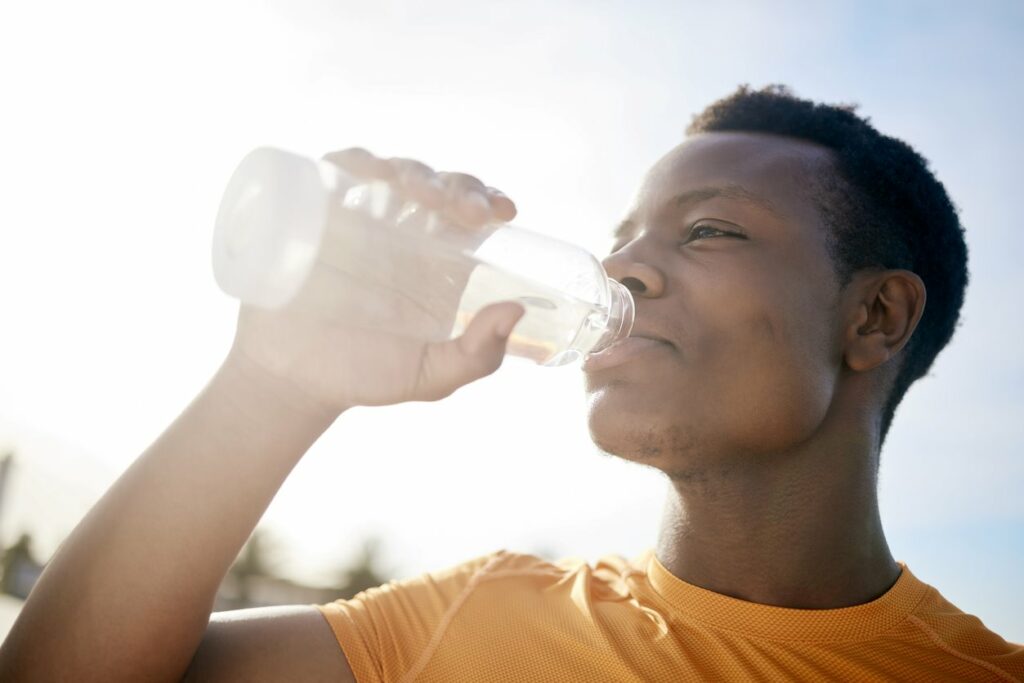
(671, 448)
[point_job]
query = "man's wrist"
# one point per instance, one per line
(259, 394)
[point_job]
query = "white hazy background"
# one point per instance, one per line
(121, 122)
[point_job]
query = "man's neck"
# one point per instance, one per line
(798, 530)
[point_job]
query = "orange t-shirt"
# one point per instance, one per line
(511, 617)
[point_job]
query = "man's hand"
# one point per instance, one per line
(128, 595)
(344, 342)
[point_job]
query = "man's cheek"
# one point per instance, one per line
(746, 331)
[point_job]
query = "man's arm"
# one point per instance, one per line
(269, 645)
(128, 596)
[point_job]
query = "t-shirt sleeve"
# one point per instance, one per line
(385, 631)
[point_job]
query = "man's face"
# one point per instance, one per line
(727, 257)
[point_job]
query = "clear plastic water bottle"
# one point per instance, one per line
(282, 215)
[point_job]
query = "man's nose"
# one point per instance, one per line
(636, 274)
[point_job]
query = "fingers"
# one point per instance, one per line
(504, 209)
(476, 353)
(474, 203)
(418, 182)
(464, 198)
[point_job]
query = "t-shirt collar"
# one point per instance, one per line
(858, 622)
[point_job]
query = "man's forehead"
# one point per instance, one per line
(775, 170)
(731, 192)
(740, 154)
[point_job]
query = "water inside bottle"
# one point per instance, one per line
(404, 260)
(552, 320)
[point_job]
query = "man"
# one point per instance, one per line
(780, 259)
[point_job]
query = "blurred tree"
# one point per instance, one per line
(253, 580)
(364, 571)
(20, 569)
(255, 560)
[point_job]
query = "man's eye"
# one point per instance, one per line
(701, 231)
(704, 230)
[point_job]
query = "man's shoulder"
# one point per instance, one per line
(507, 569)
(511, 566)
(945, 626)
(514, 582)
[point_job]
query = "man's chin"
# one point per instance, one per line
(641, 436)
(633, 398)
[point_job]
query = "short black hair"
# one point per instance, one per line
(884, 206)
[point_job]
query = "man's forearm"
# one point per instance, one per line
(129, 594)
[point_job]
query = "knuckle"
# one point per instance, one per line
(415, 175)
(410, 167)
(462, 182)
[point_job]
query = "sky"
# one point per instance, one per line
(122, 122)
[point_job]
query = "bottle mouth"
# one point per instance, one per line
(621, 311)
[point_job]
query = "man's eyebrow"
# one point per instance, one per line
(737, 192)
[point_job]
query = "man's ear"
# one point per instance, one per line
(885, 309)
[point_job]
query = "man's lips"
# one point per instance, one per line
(621, 352)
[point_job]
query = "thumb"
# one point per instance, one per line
(476, 353)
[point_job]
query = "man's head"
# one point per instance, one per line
(780, 251)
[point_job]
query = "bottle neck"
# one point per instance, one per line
(605, 327)
(621, 311)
